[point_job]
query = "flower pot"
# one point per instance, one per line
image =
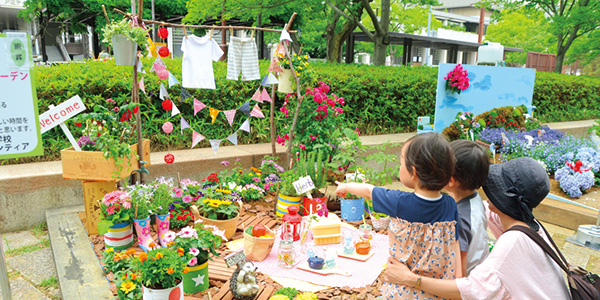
(257, 249)
(162, 226)
(283, 202)
(142, 229)
(124, 49)
(352, 210)
(196, 280)
(174, 293)
(285, 82)
(381, 223)
(312, 205)
(119, 236)
(229, 226)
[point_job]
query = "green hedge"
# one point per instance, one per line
(378, 99)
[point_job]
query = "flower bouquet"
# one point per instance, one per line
(160, 273)
(457, 80)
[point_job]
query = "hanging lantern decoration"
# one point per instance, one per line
(169, 158)
(163, 33)
(167, 104)
(163, 51)
(167, 127)
(293, 223)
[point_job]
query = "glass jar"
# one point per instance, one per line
(366, 232)
(348, 245)
(287, 255)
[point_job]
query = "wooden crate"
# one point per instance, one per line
(92, 192)
(92, 166)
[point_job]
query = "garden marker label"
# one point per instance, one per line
(303, 185)
(233, 259)
(19, 134)
(57, 115)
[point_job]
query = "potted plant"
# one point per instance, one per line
(353, 207)
(115, 223)
(160, 273)
(218, 207)
(287, 193)
(300, 63)
(181, 215)
(194, 246)
(126, 280)
(106, 135)
(125, 38)
(162, 199)
(141, 195)
(313, 164)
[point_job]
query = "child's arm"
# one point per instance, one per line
(363, 190)
(463, 260)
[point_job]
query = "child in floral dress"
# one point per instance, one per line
(423, 228)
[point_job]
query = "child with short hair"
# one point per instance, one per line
(423, 227)
(470, 173)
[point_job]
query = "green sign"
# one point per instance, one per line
(19, 130)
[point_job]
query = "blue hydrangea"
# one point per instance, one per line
(574, 183)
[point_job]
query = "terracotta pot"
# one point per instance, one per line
(228, 225)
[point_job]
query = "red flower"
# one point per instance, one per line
(78, 124)
(167, 105)
(163, 33)
(169, 158)
(135, 110)
(163, 51)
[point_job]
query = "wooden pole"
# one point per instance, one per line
(135, 98)
(273, 146)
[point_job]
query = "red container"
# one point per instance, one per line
(363, 248)
(312, 205)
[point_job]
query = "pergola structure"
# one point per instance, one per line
(410, 40)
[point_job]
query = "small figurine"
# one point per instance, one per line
(243, 281)
(348, 245)
(330, 257)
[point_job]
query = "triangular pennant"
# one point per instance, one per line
(233, 138)
(246, 126)
(161, 72)
(198, 106)
(230, 115)
(172, 80)
(196, 138)
(184, 94)
(272, 79)
(140, 67)
(215, 145)
(265, 96)
(213, 113)
(280, 51)
(174, 111)
(245, 108)
(163, 92)
(274, 66)
(141, 85)
(184, 125)
(256, 96)
(159, 61)
(285, 36)
(256, 112)
(264, 81)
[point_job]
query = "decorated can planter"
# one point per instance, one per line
(124, 49)
(228, 225)
(142, 229)
(285, 82)
(174, 293)
(352, 210)
(310, 205)
(283, 202)
(196, 280)
(162, 224)
(119, 236)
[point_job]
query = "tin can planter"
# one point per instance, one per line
(352, 210)
(283, 202)
(124, 49)
(174, 293)
(196, 280)
(162, 226)
(285, 82)
(142, 229)
(312, 205)
(119, 236)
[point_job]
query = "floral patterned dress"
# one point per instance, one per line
(430, 250)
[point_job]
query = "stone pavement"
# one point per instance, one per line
(31, 270)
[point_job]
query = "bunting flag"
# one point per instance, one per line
(141, 85)
(265, 95)
(174, 111)
(140, 67)
(161, 71)
(256, 96)
(264, 81)
(159, 61)
(256, 112)
(184, 125)
(230, 115)
(245, 108)
(215, 145)
(280, 51)
(274, 66)
(172, 80)
(246, 126)
(213, 113)
(196, 138)
(184, 94)
(233, 138)
(163, 92)
(198, 106)
(272, 79)
(285, 36)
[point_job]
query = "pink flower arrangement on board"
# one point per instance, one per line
(115, 208)
(457, 80)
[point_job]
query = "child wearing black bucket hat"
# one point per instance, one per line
(517, 268)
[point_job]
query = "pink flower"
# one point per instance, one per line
(312, 137)
(111, 210)
(341, 101)
(126, 204)
(338, 110)
(318, 98)
(284, 110)
(194, 251)
(193, 262)
(169, 237)
(268, 186)
(280, 140)
(302, 147)
(356, 128)
(187, 199)
(286, 136)
(178, 193)
(116, 109)
(225, 163)
(146, 231)
(188, 232)
(256, 179)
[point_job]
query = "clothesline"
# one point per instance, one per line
(166, 24)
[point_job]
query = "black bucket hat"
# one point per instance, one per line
(516, 187)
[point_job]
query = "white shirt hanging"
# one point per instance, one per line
(198, 55)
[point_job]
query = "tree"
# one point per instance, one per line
(523, 28)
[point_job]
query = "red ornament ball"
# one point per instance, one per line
(169, 158)
(163, 33)
(163, 51)
(167, 105)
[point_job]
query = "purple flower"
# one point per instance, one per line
(225, 163)
(84, 140)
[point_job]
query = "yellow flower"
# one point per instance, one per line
(170, 271)
(213, 204)
(205, 200)
(109, 250)
(186, 270)
(223, 191)
(159, 255)
(226, 202)
(127, 287)
(130, 252)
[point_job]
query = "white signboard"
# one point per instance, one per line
(303, 185)
(61, 113)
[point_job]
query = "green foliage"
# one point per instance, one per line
(286, 187)
(159, 269)
(287, 291)
(381, 156)
(140, 201)
(162, 197)
(123, 27)
(313, 164)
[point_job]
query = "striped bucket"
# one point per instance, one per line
(119, 236)
(283, 202)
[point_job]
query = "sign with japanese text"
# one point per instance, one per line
(61, 113)
(20, 135)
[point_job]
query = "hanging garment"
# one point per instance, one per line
(242, 56)
(198, 55)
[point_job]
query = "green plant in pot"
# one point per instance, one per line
(314, 164)
(287, 193)
(160, 271)
(125, 39)
(351, 150)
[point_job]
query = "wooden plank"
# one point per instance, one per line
(255, 221)
(265, 293)
(77, 267)
(271, 224)
(222, 291)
